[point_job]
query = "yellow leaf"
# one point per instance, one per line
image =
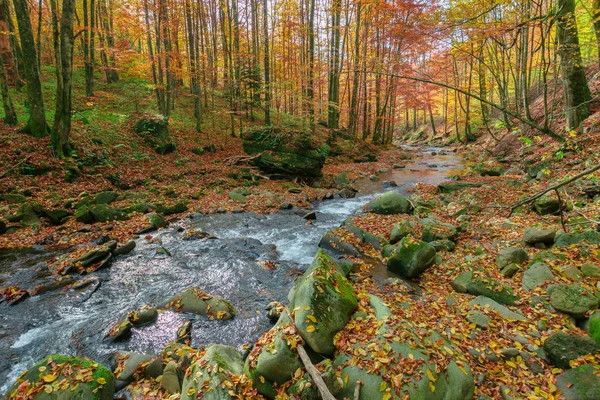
(382, 386)
(262, 379)
(49, 378)
(310, 329)
(48, 389)
(312, 318)
(101, 381)
(512, 364)
(430, 375)
(431, 387)
(386, 396)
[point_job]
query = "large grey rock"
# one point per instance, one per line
(105, 197)
(411, 257)
(539, 235)
(536, 275)
(170, 380)
(511, 255)
(127, 364)
(100, 387)
(574, 300)
(590, 270)
(563, 347)
(389, 203)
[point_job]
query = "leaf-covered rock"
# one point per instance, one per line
(411, 257)
(389, 203)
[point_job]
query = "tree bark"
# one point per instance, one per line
(266, 64)
(36, 125)
(576, 90)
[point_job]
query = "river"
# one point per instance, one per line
(226, 266)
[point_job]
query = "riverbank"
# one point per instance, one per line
(502, 307)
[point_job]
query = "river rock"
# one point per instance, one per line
(181, 353)
(546, 205)
(207, 375)
(510, 270)
(274, 359)
(511, 255)
(459, 284)
(120, 331)
(478, 318)
(388, 250)
(100, 386)
(536, 275)
(389, 203)
(437, 230)
(105, 197)
(400, 230)
(486, 302)
(568, 239)
(593, 327)
(14, 198)
(539, 235)
(574, 300)
(579, 383)
(155, 221)
(411, 257)
(563, 347)
(235, 196)
(453, 186)
(56, 216)
(364, 236)
(590, 270)
(341, 179)
(337, 244)
(126, 248)
(443, 245)
(29, 216)
(127, 364)
(143, 315)
(324, 300)
(170, 380)
(105, 213)
(195, 300)
(455, 382)
(488, 287)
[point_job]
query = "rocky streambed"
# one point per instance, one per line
(250, 260)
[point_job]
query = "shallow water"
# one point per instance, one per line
(227, 266)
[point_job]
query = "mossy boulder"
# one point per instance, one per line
(535, 235)
(593, 327)
(83, 379)
(156, 220)
(511, 255)
(453, 186)
(30, 216)
(237, 197)
(401, 230)
(492, 289)
(411, 257)
(14, 198)
(284, 152)
(208, 375)
(546, 205)
(579, 383)
(563, 347)
(195, 300)
(436, 230)
(389, 203)
(276, 359)
(574, 300)
(568, 239)
(323, 301)
(57, 216)
(105, 213)
(105, 197)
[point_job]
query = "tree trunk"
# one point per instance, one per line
(577, 92)
(10, 115)
(266, 64)
(62, 129)
(37, 118)
(333, 109)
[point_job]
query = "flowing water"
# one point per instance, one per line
(57, 322)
